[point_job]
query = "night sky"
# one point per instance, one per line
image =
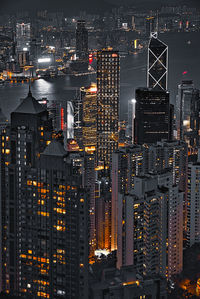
(73, 6)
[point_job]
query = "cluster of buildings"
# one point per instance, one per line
(47, 44)
(89, 212)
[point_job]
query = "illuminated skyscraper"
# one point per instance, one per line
(157, 68)
(108, 89)
(89, 115)
(23, 37)
(25, 139)
(152, 116)
(53, 251)
(46, 227)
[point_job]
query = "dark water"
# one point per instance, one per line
(182, 57)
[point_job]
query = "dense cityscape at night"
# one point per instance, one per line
(100, 149)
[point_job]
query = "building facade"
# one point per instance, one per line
(152, 116)
(108, 77)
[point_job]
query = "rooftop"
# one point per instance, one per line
(55, 148)
(29, 105)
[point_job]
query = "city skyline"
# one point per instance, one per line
(100, 151)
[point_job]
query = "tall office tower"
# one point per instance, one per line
(193, 204)
(23, 36)
(53, 232)
(89, 115)
(152, 116)
(187, 116)
(21, 144)
(126, 164)
(108, 91)
(81, 41)
(157, 68)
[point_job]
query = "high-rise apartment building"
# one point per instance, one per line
(143, 216)
(45, 216)
(193, 204)
(157, 66)
(187, 116)
(108, 89)
(150, 226)
(22, 143)
(172, 155)
(126, 164)
(103, 214)
(152, 116)
(53, 251)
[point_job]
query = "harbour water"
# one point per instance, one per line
(184, 57)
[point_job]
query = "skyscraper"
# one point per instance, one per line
(187, 116)
(150, 226)
(157, 66)
(25, 139)
(142, 227)
(126, 164)
(131, 118)
(193, 204)
(23, 36)
(89, 115)
(108, 89)
(53, 249)
(152, 116)
(81, 41)
(45, 236)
